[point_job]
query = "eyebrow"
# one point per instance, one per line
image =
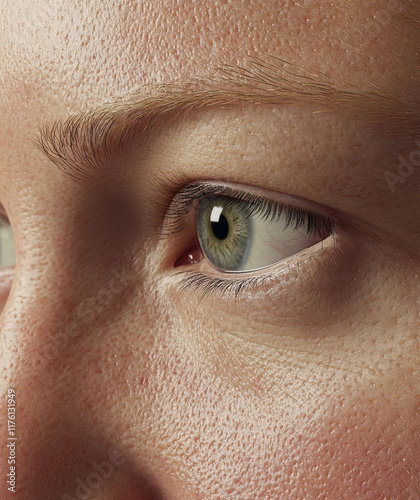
(80, 145)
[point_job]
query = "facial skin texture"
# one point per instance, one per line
(306, 387)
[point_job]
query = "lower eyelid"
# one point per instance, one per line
(205, 280)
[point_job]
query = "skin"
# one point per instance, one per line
(306, 387)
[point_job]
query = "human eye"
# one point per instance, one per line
(240, 235)
(7, 243)
(236, 232)
(7, 258)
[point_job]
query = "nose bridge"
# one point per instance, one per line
(45, 320)
(53, 345)
(66, 339)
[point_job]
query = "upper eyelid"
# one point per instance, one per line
(179, 207)
(245, 192)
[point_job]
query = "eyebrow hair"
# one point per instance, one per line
(80, 145)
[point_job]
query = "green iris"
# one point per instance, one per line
(224, 231)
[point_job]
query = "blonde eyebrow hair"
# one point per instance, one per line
(82, 144)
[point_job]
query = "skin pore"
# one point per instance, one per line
(300, 385)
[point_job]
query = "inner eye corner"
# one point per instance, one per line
(191, 254)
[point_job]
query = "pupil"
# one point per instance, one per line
(221, 228)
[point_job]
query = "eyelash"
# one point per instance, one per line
(270, 210)
(179, 215)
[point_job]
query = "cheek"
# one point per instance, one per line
(239, 442)
(362, 449)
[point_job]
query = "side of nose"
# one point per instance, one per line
(63, 360)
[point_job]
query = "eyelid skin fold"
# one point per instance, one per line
(182, 199)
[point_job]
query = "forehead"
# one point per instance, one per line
(83, 52)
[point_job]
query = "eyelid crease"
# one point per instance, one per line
(256, 201)
(166, 189)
